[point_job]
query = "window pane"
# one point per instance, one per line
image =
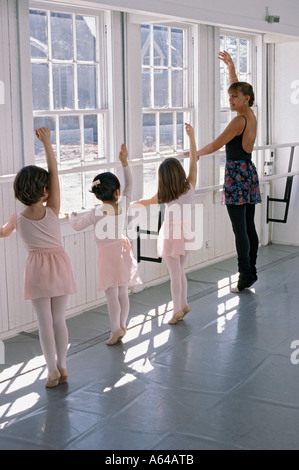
(71, 192)
(160, 88)
(86, 38)
(166, 132)
(63, 86)
(177, 84)
(39, 150)
(70, 142)
(146, 88)
(40, 86)
(150, 179)
(224, 85)
(222, 44)
(89, 198)
(87, 87)
(180, 132)
(145, 45)
(91, 137)
(149, 133)
(62, 36)
(38, 34)
(177, 47)
(231, 47)
(160, 46)
(244, 55)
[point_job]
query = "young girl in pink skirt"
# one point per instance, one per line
(117, 267)
(48, 277)
(177, 191)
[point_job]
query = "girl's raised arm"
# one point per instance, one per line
(53, 201)
(192, 177)
(145, 202)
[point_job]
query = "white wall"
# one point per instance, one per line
(286, 129)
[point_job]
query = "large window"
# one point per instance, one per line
(165, 94)
(241, 48)
(68, 95)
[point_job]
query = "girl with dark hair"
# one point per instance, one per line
(177, 191)
(241, 185)
(48, 278)
(117, 267)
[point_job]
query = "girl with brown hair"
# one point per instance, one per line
(176, 191)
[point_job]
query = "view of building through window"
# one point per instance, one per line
(164, 94)
(66, 98)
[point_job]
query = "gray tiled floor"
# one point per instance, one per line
(220, 379)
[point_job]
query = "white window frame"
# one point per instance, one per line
(187, 68)
(151, 160)
(253, 80)
(101, 111)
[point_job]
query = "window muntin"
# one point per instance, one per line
(67, 95)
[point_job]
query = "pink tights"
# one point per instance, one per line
(178, 281)
(118, 306)
(53, 333)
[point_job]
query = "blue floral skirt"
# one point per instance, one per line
(241, 183)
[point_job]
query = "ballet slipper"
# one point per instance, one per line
(115, 337)
(53, 379)
(251, 280)
(186, 309)
(176, 317)
(63, 376)
(235, 290)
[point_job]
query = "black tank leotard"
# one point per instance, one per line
(234, 149)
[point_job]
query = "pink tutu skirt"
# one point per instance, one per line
(175, 239)
(48, 273)
(117, 265)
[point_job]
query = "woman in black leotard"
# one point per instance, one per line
(241, 185)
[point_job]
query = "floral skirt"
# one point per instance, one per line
(241, 183)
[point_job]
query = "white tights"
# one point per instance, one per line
(118, 306)
(178, 281)
(53, 333)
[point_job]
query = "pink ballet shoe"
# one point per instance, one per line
(186, 310)
(176, 317)
(63, 376)
(53, 379)
(115, 337)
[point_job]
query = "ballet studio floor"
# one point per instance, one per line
(226, 377)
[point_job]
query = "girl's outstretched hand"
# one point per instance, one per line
(43, 134)
(123, 155)
(67, 215)
(189, 129)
